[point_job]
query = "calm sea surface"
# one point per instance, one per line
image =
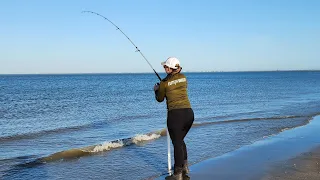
(109, 126)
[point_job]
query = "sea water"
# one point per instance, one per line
(109, 126)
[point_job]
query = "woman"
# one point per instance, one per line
(180, 115)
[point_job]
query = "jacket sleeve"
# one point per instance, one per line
(160, 93)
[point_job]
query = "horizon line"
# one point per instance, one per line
(82, 73)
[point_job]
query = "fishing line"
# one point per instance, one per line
(137, 49)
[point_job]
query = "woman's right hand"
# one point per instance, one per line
(156, 87)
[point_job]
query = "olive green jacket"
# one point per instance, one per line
(174, 89)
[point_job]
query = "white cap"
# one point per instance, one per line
(172, 62)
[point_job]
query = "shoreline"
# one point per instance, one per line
(268, 159)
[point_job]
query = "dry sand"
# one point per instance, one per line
(306, 166)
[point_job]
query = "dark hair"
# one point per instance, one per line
(178, 70)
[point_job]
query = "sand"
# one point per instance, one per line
(304, 166)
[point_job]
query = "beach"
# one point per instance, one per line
(291, 155)
(304, 166)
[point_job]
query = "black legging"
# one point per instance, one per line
(179, 122)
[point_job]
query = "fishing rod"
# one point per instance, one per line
(137, 49)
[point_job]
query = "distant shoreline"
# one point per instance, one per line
(158, 72)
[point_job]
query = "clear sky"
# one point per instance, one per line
(39, 36)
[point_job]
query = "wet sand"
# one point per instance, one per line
(305, 166)
(291, 155)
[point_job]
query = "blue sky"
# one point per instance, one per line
(39, 36)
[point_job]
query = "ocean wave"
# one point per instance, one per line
(248, 120)
(106, 146)
(32, 135)
(137, 139)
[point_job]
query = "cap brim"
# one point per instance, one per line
(163, 63)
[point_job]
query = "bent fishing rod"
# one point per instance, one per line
(137, 49)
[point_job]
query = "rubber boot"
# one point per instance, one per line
(177, 175)
(185, 169)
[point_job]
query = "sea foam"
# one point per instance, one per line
(107, 146)
(144, 137)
